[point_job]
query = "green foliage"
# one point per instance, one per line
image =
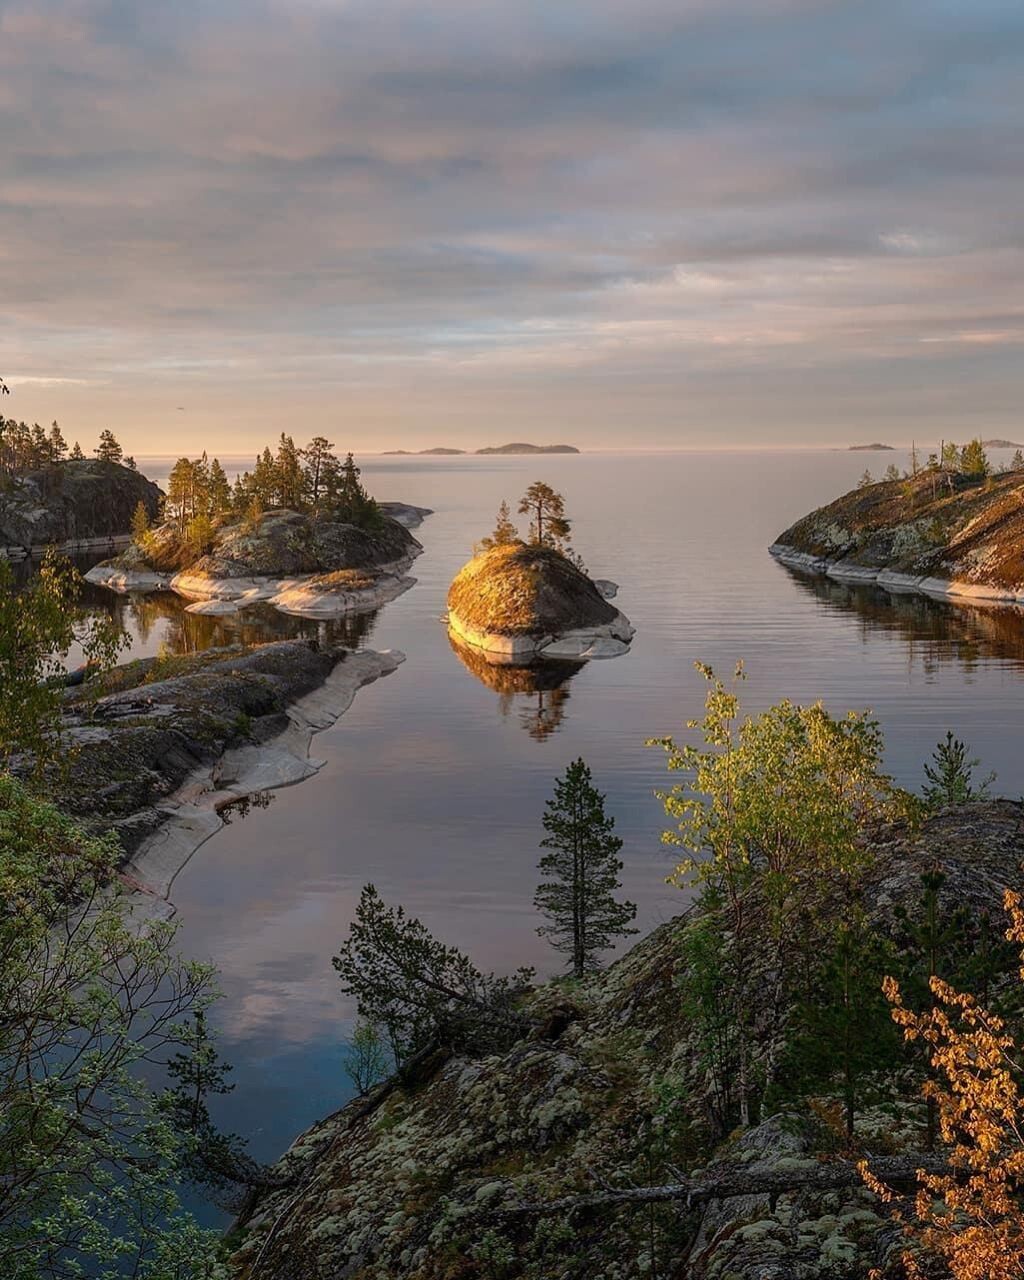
(892, 472)
(108, 449)
(549, 526)
(140, 523)
(865, 480)
(419, 990)
(505, 532)
(781, 796)
(581, 870)
(366, 1061)
(973, 460)
(950, 776)
(352, 503)
(950, 456)
(710, 1008)
(38, 627)
(199, 535)
(842, 1029)
(89, 1157)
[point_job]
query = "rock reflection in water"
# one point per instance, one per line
(181, 632)
(936, 632)
(538, 693)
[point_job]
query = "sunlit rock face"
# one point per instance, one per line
(520, 603)
(937, 533)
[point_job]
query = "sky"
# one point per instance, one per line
(661, 223)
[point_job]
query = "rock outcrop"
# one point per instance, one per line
(301, 564)
(940, 534)
(180, 737)
(520, 604)
(74, 503)
(449, 1174)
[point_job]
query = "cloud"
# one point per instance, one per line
(351, 202)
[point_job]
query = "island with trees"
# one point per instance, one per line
(51, 494)
(949, 526)
(522, 600)
(298, 531)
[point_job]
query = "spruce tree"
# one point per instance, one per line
(505, 533)
(951, 776)
(76, 454)
(581, 870)
(219, 490)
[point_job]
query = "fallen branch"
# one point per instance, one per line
(895, 1171)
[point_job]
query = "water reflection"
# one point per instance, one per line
(538, 693)
(936, 632)
(161, 617)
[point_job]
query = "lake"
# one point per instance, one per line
(434, 782)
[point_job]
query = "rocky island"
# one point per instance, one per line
(335, 553)
(945, 532)
(519, 602)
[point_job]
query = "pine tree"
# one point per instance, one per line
(108, 450)
(354, 503)
(58, 444)
(951, 776)
(219, 490)
(865, 480)
(505, 533)
(76, 454)
(582, 869)
(140, 523)
(549, 526)
(973, 460)
(288, 474)
(320, 472)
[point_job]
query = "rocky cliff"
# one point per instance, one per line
(526, 1163)
(74, 501)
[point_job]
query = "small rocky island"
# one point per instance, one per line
(520, 602)
(338, 551)
(953, 529)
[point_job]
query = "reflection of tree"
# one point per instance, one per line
(936, 632)
(193, 632)
(538, 692)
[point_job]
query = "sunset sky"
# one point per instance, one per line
(422, 222)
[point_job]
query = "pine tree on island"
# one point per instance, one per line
(549, 526)
(581, 870)
(505, 532)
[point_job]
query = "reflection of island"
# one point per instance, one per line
(539, 692)
(184, 632)
(936, 632)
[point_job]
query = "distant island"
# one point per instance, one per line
(516, 447)
(422, 453)
(531, 448)
(1001, 444)
(871, 448)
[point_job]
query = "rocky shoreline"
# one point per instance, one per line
(893, 581)
(941, 534)
(160, 747)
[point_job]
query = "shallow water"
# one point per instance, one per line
(434, 782)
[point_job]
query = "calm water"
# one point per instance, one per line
(434, 781)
